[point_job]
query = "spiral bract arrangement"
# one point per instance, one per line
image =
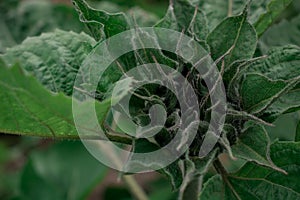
(176, 101)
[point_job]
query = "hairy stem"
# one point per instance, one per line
(222, 171)
(193, 189)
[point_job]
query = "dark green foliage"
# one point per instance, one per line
(258, 91)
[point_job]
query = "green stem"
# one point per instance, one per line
(134, 187)
(230, 6)
(129, 181)
(193, 189)
(222, 171)
(115, 136)
(110, 136)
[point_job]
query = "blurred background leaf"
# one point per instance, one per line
(21, 19)
(64, 171)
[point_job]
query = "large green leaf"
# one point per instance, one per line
(104, 25)
(64, 171)
(100, 23)
(254, 145)
(236, 33)
(183, 16)
(233, 73)
(101, 15)
(274, 9)
(53, 58)
(266, 181)
(288, 103)
(31, 18)
(27, 108)
(254, 182)
(257, 92)
(282, 64)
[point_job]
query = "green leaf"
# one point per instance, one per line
(217, 10)
(233, 73)
(286, 32)
(157, 7)
(254, 145)
(236, 33)
(264, 181)
(141, 17)
(145, 56)
(216, 189)
(183, 174)
(288, 103)
(161, 189)
(29, 109)
(274, 9)
(136, 162)
(53, 58)
(257, 92)
(174, 174)
(194, 171)
(282, 64)
(284, 128)
(104, 25)
(100, 23)
(64, 171)
(108, 6)
(257, 8)
(254, 182)
(31, 18)
(183, 16)
(202, 165)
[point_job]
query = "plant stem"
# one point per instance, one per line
(193, 189)
(134, 187)
(129, 181)
(222, 171)
(118, 139)
(230, 6)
